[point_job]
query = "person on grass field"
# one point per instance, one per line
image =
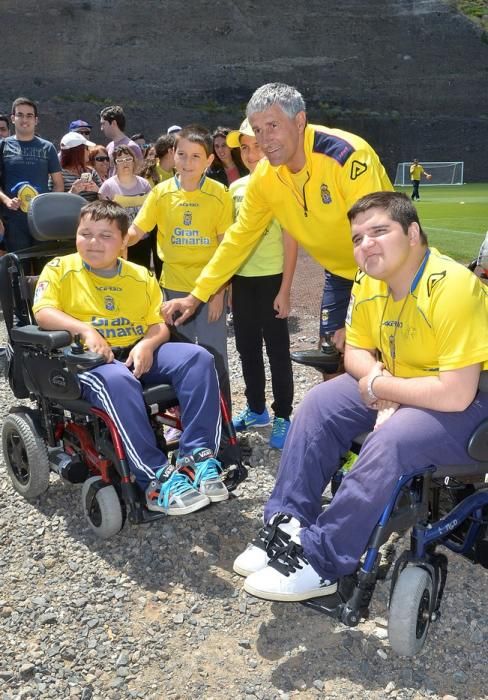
(416, 172)
(261, 304)
(114, 305)
(310, 177)
(412, 372)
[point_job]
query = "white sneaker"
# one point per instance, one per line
(272, 536)
(289, 577)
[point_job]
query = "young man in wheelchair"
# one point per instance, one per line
(114, 305)
(416, 343)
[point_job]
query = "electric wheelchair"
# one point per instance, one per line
(59, 431)
(441, 507)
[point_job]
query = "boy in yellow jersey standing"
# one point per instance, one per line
(413, 365)
(114, 305)
(261, 304)
(191, 213)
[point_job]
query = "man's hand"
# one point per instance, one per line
(375, 371)
(141, 358)
(177, 311)
(215, 306)
(281, 304)
(96, 343)
(339, 339)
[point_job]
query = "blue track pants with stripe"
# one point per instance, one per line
(190, 369)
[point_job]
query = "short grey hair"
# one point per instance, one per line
(285, 96)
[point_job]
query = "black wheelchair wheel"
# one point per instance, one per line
(26, 455)
(102, 508)
(409, 616)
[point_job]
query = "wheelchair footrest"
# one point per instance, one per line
(143, 515)
(331, 605)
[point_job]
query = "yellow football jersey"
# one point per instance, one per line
(441, 325)
(189, 224)
(120, 308)
(340, 168)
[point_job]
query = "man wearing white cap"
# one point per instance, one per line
(28, 161)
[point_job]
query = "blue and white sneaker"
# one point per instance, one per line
(249, 419)
(173, 493)
(204, 472)
(280, 429)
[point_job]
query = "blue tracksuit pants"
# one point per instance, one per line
(190, 369)
(325, 423)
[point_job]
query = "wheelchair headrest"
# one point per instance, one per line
(54, 216)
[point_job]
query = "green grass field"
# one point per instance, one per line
(454, 217)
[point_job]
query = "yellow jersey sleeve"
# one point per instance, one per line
(226, 217)
(147, 217)
(358, 320)
(238, 243)
(362, 174)
(47, 294)
(460, 323)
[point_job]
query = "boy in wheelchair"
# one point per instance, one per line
(114, 306)
(416, 343)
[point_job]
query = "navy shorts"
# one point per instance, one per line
(335, 300)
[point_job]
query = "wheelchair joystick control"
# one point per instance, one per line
(77, 347)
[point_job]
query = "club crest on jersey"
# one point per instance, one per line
(325, 194)
(357, 169)
(187, 217)
(109, 303)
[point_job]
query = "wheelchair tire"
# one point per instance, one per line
(104, 513)
(409, 616)
(25, 455)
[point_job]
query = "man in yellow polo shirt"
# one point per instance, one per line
(416, 343)
(416, 172)
(310, 177)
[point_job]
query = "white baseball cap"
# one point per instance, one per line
(74, 139)
(233, 137)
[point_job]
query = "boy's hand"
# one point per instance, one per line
(96, 343)
(141, 357)
(215, 307)
(281, 305)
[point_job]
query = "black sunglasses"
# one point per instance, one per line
(101, 159)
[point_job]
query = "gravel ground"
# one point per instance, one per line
(156, 612)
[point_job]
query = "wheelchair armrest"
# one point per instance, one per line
(33, 335)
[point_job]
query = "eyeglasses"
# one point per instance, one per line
(84, 133)
(102, 159)
(121, 161)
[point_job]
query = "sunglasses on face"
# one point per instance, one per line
(121, 161)
(84, 133)
(102, 159)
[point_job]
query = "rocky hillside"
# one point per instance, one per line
(409, 75)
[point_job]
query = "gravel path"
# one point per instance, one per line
(157, 613)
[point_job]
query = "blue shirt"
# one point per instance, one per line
(28, 161)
